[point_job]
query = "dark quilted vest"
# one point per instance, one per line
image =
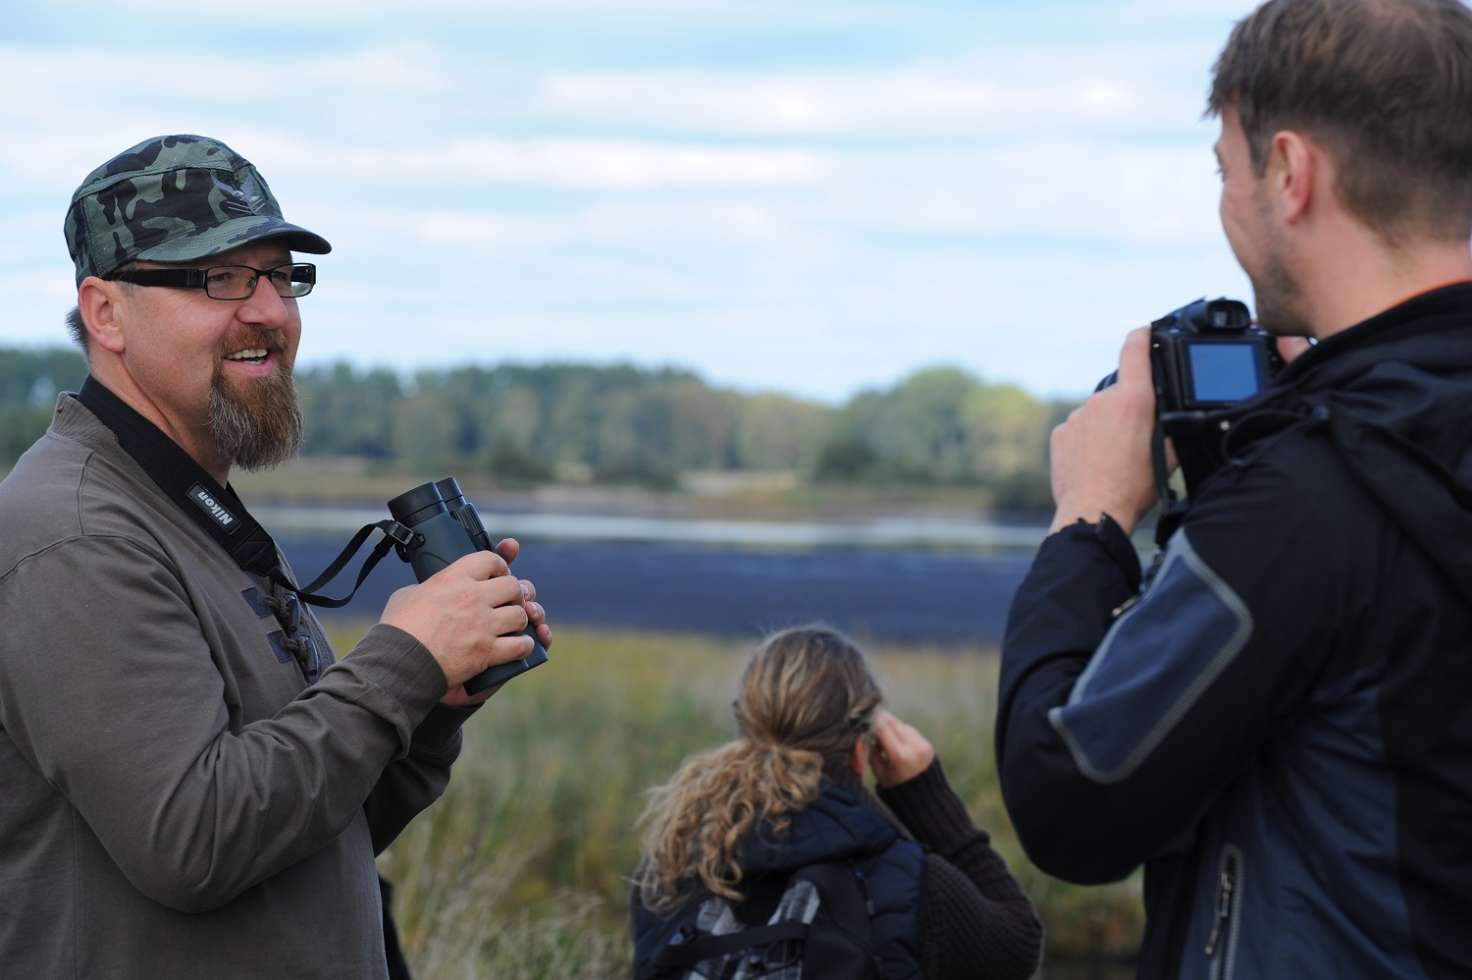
(838, 825)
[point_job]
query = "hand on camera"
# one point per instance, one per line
(1100, 457)
(469, 616)
(900, 752)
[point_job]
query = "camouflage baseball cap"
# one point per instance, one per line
(173, 199)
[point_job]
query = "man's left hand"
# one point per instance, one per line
(507, 548)
(1100, 456)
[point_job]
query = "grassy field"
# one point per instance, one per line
(518, 872)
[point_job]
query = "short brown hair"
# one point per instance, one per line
(77, 328)
(1385, 85)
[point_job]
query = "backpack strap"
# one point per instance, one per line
(703, 947)
(845, 892)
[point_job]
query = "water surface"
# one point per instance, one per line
(889, 581)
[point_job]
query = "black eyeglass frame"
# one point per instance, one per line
(300, 274)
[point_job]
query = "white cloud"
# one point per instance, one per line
(742, 221)
(1095, 190)
(336, 10)
(996, 90)
(1196, 9)
(79, 76)
(221, 95)
(454, 164)
(618, 164)
(893, 103)
(1077, 190)
(23, 286)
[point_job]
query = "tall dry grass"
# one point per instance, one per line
(519, 870)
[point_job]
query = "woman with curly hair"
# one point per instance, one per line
(787, 794)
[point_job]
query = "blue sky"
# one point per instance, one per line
(814, 197)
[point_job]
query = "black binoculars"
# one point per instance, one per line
(446, 527)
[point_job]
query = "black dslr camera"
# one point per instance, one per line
(1207, 355)
(440, 527)
(1205, 358)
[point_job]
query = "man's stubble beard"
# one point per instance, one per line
(1276, 292)
(258, 428)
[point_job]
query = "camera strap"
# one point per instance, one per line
(218, 510)
(1172, 508)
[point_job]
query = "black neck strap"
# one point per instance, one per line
(218, 510)
(214, 508)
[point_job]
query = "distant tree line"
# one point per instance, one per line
(29, 382)
(531, 424)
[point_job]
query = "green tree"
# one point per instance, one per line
(425, 430)
(521, 424)
(348, 413)
(779, 432)
(1006, 430)
(30, 380)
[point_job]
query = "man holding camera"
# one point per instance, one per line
(1278, 726)
(192, 785)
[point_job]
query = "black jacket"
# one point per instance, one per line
(837, 826)
(1280, 729)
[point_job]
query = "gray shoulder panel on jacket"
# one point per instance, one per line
(1155, 663)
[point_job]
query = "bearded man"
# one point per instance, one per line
(190, 784)
(1278, 726)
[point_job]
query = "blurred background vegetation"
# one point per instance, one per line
(519, 870)
(527, 426)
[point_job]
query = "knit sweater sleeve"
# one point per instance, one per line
(975, 919)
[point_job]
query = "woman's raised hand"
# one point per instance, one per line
(900, 752)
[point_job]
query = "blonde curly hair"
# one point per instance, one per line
(805, 698)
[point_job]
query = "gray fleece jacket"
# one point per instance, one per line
(175, 799)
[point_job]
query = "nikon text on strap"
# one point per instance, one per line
(218, 510)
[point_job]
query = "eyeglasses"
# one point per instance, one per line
(229, 281)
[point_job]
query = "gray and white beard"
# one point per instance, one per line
(260, 431)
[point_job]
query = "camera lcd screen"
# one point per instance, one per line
(1223, 372)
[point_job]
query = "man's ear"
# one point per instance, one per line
(98, 301)
(1295, 174)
